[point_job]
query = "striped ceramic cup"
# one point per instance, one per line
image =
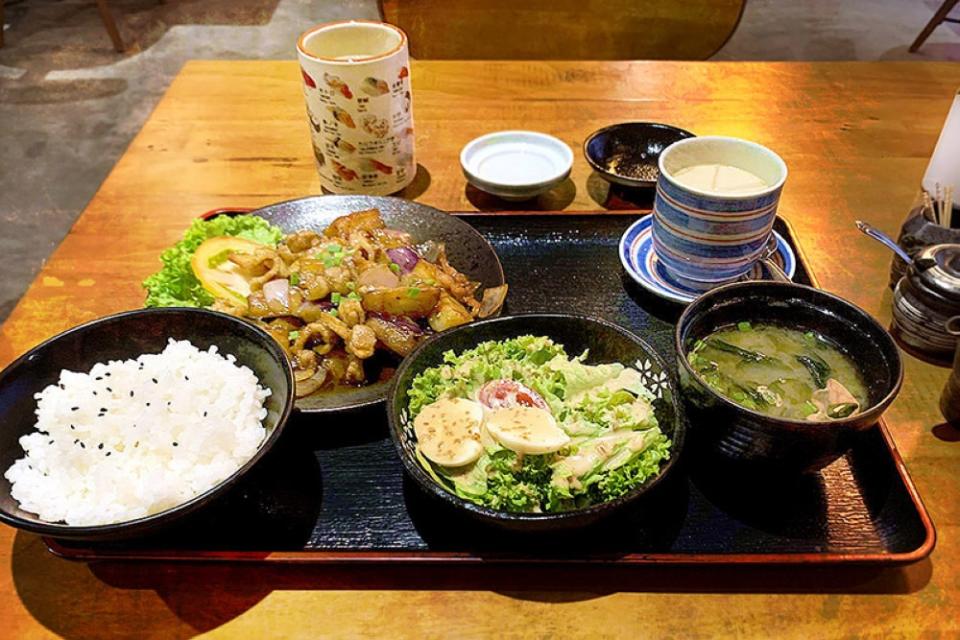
(714, 209)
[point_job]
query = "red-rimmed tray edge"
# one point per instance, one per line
(86, 554)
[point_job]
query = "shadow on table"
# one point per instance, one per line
(75, 600)
(614, 197)
(557, 199)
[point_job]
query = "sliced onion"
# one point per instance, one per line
(405, 257)
(378, 276)
(492, 301)
(311, 384)
(277, 291)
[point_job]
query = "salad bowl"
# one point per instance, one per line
(606, 343)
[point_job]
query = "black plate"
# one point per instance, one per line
(334, 490)
(467, 251)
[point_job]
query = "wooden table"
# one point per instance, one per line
(856, 137)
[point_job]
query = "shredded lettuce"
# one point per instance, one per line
(175, 285)
(616, 442)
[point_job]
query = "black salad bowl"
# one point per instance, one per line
(124, 336)
(773, 445)
(606, 343)
(628, 153)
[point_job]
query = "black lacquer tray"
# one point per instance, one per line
(333, 490)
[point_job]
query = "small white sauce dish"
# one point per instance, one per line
(516, 165)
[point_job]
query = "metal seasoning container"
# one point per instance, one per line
(918, 232)
(950, 399)
(925, 299)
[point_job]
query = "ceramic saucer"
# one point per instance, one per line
(640, 261)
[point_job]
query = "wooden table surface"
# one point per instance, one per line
(856, 138)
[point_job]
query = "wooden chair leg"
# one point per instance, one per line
(935, 22)
(111, 25)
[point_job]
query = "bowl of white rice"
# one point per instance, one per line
(120, 426)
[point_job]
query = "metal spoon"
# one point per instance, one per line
(880, 236)
(776, 273)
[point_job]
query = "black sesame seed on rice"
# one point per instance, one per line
(154, 381)
(109, 389)
(107, 454)
(74, 408)
(175, 444)
(99, 378)
(131, 393)
(100, 446)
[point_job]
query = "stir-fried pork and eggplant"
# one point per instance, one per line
(336, 298)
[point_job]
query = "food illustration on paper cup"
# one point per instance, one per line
(313, 121)
(307, 79)
(369, 165)
(377, 127)
(336, 82)
(343, 145)
(344, 172)
(318, 154)
(374, 87)
(342, 116)
(404, 72)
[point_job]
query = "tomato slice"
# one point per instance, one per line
(500, 394)
(217, 274)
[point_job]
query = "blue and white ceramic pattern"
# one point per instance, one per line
(643, 265)
(705, 239)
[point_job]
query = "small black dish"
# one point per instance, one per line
(627, 153)
(124, 336)
(467, 250)
(607, 343)
(779, 445)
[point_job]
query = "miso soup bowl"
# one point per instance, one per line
(779, 445)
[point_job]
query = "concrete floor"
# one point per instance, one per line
(69, 105)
